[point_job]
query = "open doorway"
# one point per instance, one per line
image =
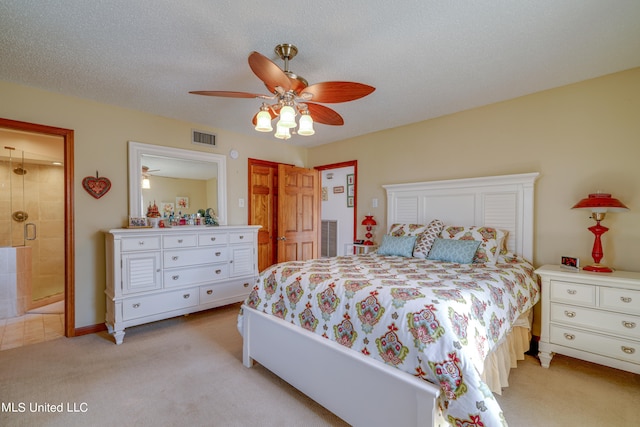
(38, 225)
(338, 206)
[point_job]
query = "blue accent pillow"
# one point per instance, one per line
(458, 251)
(397, 245)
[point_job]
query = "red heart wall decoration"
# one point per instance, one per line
(96, 186)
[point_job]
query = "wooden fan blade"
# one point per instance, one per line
(227, 94)
(321, 114)
(268, 72)
(334, 92)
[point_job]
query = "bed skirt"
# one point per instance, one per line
(506, 355)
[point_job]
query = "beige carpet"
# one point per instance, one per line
(188, 371)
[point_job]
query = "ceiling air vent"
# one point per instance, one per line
(203, 138)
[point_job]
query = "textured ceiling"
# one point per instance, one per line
(426, 58)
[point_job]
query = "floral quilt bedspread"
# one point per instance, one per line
(434, 320)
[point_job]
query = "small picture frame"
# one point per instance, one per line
(182, 203)
(167, 208)
(350, 202)
(338, 190)
(138, 222)
(570, 263)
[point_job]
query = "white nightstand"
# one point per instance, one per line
(358, 249)
(590, 316)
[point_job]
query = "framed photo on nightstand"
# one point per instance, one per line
(570, 263)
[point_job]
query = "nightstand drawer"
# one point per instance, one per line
(625, 300)
(573, 293)
(597, 320)
(616, 348)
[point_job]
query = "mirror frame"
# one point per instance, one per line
(138, 149)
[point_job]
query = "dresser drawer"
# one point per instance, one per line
(183, 258)
(240, 237)
(225, 291)
(624, 300)
(598, 320)
(179, 241)
(210, 239)
(148, 305)
(574, 293)
(141, 243)
(621, 349)
(194, 275)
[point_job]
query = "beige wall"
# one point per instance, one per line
(581, 138)
(101, 135)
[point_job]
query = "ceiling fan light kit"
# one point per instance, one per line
(292, 94)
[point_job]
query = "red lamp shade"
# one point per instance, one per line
(369, 223)
(599, 204)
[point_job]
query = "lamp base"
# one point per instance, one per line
(598, 268)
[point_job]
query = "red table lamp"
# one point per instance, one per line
(369, 223)
(599, 204)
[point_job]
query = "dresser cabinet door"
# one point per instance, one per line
(242, 261)
(141, 272)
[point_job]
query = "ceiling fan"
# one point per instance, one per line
(292, 94)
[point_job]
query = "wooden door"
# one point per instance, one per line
(298, 213)
(263, 199)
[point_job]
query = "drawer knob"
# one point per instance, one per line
(141, 242)
(246, 285)
(136, 305)
(629, 325)
(209, 291)
(186, 296)
(628, 350)
(179, 240)
(218, 271)
(625, 299)
(218, 253)
(174, 258)
(570, 313)
(572, 291)
(176, 277)
(570, 337)
(241, 237)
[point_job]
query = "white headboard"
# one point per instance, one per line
(504, 202)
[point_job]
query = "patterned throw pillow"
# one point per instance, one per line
(426, 238)
(458, 251)
(397, 245)
(406, 229)
(491, 240)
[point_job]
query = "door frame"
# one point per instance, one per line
(69, 241)
(348, 163)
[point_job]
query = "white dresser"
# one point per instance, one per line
(154, 274)
(591, 316)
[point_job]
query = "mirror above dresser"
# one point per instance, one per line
(183, 180)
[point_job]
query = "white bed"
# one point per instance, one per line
(314, 364)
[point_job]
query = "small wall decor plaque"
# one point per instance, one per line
(96, 186)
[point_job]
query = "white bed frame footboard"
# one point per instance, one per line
(360, 390)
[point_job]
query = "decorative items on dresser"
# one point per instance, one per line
(155, 274)
(591, 316)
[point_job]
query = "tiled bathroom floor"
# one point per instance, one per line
(30, 329)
